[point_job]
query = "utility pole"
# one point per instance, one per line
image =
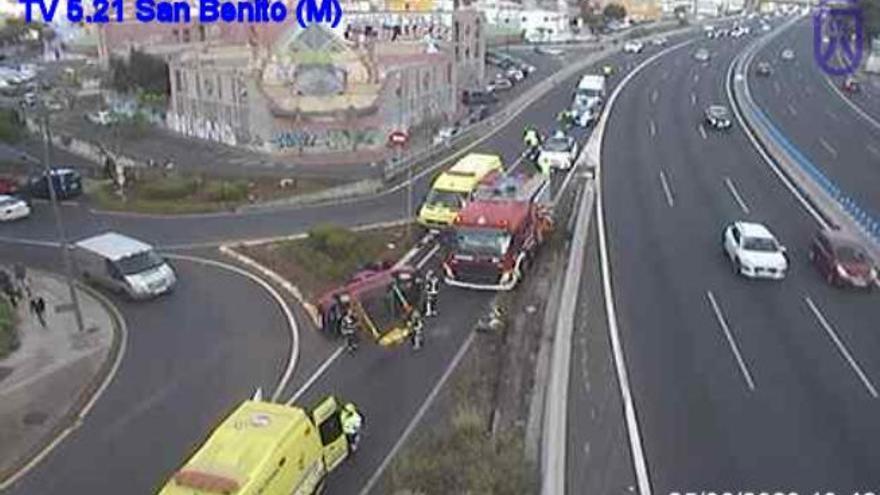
(59, 223)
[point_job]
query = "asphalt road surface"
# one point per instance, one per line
(738, 385)
(816, 118)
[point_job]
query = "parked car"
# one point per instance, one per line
(445, 134)
(501, 83)
(67, 184)
(102, 118)
(754, 251)
(659, 41)
(514, 75)
(787, 54)
(842, 260)
(13, 208)
(476, 97)
(633, 47)
(477, 113)
(701, 55)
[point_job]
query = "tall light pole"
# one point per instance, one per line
(59, 222)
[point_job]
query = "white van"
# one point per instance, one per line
(588, 99)
(123, 264)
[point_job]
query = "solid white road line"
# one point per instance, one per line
(828, 147)
(518, 161)
(736, 195)
(666, 189)
(791, 109)
(840, 347)
(317, 374)
(368, 486)
(696, 78)
(702, 130)
(654, 96)
(285, 309)
(652, 128)
(428, 256)
(727, 333)
(873, 150)
(693, 99)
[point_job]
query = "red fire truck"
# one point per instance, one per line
(495, 236)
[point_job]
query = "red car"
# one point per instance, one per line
(842, 261)
(850, 85)
(8, 185)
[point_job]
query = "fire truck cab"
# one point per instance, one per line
(495, 235)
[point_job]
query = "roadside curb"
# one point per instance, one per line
(71, 420)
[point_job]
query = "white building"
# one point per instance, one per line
(537, 25)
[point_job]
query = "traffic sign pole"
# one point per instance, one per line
(399, 139)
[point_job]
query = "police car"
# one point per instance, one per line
(718, 117)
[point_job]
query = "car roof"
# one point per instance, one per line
(751, 229)
(113, 246)
(716, 109)
(5, 197)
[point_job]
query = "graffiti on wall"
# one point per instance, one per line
(202, 128)
(326, 140)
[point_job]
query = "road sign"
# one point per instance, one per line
(398, 138)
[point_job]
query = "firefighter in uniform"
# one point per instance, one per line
(352, 422)
(417, 326)
(565, 118)
(432, 291)
(532, 140)
(348, 323)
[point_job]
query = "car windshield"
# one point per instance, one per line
(588, 93)
(139, 262)
(764, 244)
(850, 254)
(556, 144)
(718, 112)
(446, 199)
(482, 241)
(7, 202)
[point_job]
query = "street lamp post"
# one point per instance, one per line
(59, 222)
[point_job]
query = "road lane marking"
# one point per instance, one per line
(736, 196)
(317, 374)
(693, 99)
(791, 109)
(401, 440)
(654, 96)
(666, 189)
(873, 150)
(727, 333)
(696, 78)
(828, 147)
(652, 128)
(518, 161)
(293, 357)
(840, 347)
(832, 115)
(428, 256)
(776, 87)
(702, 130)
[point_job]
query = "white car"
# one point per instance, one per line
(702, 55)
(515, 74)
(103, 118)
(445, 134)
(633, 47)
(660, 41)
(787, 54)
(558, 151)
(12, 208)
(754, 251)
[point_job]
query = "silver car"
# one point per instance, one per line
(701, 55)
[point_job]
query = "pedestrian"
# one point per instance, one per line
(352, 423)
(38, 307)
(417, 327)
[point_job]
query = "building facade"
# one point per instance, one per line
(323, 90)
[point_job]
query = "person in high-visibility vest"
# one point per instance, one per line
(565, 118)
(352, 422)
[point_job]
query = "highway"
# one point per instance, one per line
(800, 101)
(738, 385)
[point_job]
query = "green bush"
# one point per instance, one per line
(8, 333)
(168, 188)
(227, 191)
(11, 129)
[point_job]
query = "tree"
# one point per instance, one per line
(591, 15)
(871, 15)
(681, 14)
(142, 71)
(614, 12)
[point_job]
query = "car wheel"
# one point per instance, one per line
(737, 266)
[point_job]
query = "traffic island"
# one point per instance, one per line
(153, 191)
(325, 257)
(49, 381)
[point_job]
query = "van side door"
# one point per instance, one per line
(113, 278)
(333, 441)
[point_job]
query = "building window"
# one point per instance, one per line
(219, 88)
(477, 29)
(448, 73)
(186, 35)
(201, 32)
(175, 33)
(467, 53)
(177, 80)
(455, 33)
(426, 81)
(198, 87)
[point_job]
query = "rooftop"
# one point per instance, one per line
(113, 246)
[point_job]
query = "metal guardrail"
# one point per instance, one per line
(865, 219)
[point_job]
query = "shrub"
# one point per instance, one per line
(227, 191)
(169, 188)
(11, 129)
(8, 333)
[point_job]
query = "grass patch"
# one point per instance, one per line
(330, 255)
(8, 331)
(172, 193)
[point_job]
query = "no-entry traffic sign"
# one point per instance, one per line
(398, 138)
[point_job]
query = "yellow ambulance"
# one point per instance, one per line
(453, 188)
(266, 448)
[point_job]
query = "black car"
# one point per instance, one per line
(764, 69)
(718, 117)
(477, 113)
(476, 97)
(67, 184)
